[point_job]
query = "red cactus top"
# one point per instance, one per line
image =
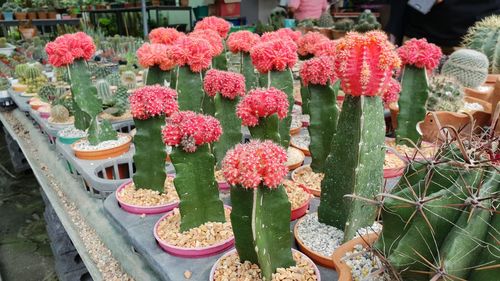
(165, 35)
(66, 48)
(155, 54)
(151, 101)
(262, 103)
(242, 41)
(228, 84)
(391, 93)
(214, 23)
(282, 34)
(318, 70)
(307, 44)
(419, 53)
(274, 55)
(325, 48)
(255, 163)
(212, 37)
(193, 51)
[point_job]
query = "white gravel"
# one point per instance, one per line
(474, 106)
(72, 132)
(364, 265)
(84, 144)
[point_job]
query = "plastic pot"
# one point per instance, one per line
(296, 164)
(103, 153)
(314, 192)
(191, 252)
(8, 16)
(138, 209)
(316, 257)
(302, 210)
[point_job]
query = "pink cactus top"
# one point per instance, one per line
(308, 9)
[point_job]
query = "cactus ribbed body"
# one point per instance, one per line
(100, 72)
(129, 80)
(267, 129)
(59, 114)
(231, 126)
(354, 166)
(4, 84)
(32, 71)
(220, 62)
(198, 191)
(104, 91)
(304, 95)
(87, 105)
(150, 154)
(261, 238)
(283, 80)
(490, 254)
(47, 93)
(189, 86)
(366, 22)
(445, 94)
(326, 19)
(20, 71)
(323, 123)
(114, 79)
(468, 67)
(247, 70)
(412, 100)
(155, 76)
(484, 36)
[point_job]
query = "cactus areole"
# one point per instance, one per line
(260, 238)
(364, 65)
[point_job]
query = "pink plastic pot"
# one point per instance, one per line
(214, 267)
(136, 209)
(302, 210)
(224, 186)
(191, 252)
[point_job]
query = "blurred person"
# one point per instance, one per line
(307, 9)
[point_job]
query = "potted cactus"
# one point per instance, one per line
(221, 27)
(8, 9)
(317, 75)
(356, 159)
(366, 22)
(241, 42)
(325, 23)
(419, 58)
(191, 134)
(482, 37)
(6, 48)
(150, 191)
(341, 27)
(4, 87)
(72, 51)
(255, 171)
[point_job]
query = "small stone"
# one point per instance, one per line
(187, 274)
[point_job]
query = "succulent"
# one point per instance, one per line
(129, 79)
(345, 24)
(59, 113)
(20, 71)
(104, 91)
(445, 94)
(366, 22)
(326, 19)
(120, 102)
(484, 36)
(62, 74)
(261, 28)
(114, 79)
(4, 84)
(469, 67)
(47, 93)
(277, 18)
(3, 42)
(307, 23)
(100, 72)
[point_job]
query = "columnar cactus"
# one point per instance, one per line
(241, 42)
(155, 57)
(364, 66)
(445, 94)
(20, 72)
(190, 135)
(104, 91)
(72, 51)
(149, 106)
(261, 211)
(484, 37)
(468, 67)
(418, 58)
(261, 110)
(193, 55)
(274, 60)
(226, 88)
(318, 76)
(129, 79)
(440, 220)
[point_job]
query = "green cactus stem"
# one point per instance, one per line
(490, 255)
(412, 100)
(354, 169)
(197, 188)
(220, 62)
(260, 238)
(304, 94)
(484, 36)
(267, 129)
(469, 67)
(156, 76)
(87, 105)
(189, 86)
(231, 126)
(208, 105)
(247, 70)
(283, 80)
(323, 123)
(150, 154)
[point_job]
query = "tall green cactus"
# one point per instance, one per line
(354, 169)
(87, 105)
(129, 79)
(267, 129)
(259, 237)
(231, 126)
(195, 183)
(247, 69)
(304, 95)
(283, 80)
(323, 113)
(189, 85)
(412, 101)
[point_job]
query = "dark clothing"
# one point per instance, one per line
(444, 25)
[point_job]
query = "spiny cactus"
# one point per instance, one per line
(114, 79)
(59, 114)
(468, 67)
(277, 18)
(366, 22)
(260, 238)
(445, 94)
(326, 19)
(47, 93)
(62, 74)
(440, 218)
(484, 36)
(344, 24)
(20, 72)
(120, 102)
(129, 79)
(190, 135)
(356, 159)
(4, 84)
(104, 91)
(100, 72)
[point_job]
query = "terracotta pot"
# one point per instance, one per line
(343, 270)
(32, 15)
(317, 258)
(302, 210)
(104, 153)
(293, 166)
(214, 267)
(184, 3)
(492, 78)
(21, 15)
(304, 150)
(52, 15)
(100, 7)
(314, 192)
(137, 209)
(393, 107)
(325, 31)
(191, 252)
(295, 131)
(482, 95)
(305, 29)
(28, 33)
(337, 34)
(42, 15)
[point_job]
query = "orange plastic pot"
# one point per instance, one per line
(343, 270)
(316, 257)
(101, 154)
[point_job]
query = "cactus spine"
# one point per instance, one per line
(129, 79)
(326, 19)
(468, 67)
(114, 79)
(412, 100)
(104, 91)
(484, 36)
(195, 183)
(4, 84)
(47, 93)
(445, 94)
(59, 114)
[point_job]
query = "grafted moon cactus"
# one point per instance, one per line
(241, 42)
(190, 135)
(261, 210)
(364, 65)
